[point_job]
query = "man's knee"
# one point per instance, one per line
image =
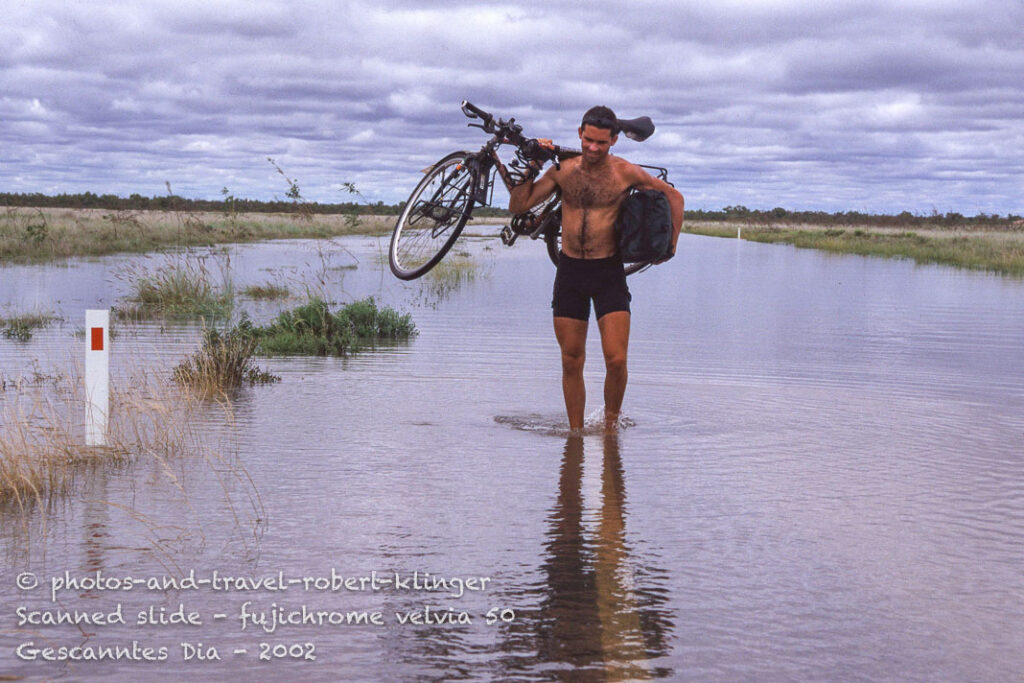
(615, 362)
(572, 361)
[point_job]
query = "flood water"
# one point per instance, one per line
(822, 478)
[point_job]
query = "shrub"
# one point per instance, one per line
(224, 361)
(312, 329)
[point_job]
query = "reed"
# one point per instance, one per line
(454, 271)
(181, 287)
(20, 326)
(224, 362)
(267, 291)
(42, 430)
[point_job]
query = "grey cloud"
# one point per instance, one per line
(779, 103)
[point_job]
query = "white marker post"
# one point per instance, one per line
(97, 376)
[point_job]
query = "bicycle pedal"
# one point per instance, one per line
(508, 236)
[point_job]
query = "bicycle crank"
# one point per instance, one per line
(508, 236)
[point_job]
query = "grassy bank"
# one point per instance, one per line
(1000, 251)
(39, 235)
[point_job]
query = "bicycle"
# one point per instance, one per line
(443, 201)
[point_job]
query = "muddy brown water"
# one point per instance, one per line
(822, 477)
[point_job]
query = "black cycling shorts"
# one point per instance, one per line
(577, 281)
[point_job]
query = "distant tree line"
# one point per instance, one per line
(904, 219)
(172, 202)
(231, 204)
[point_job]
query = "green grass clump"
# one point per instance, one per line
(177, 289)
(20, 326)
(268, 290)
(224, 361)
(451, 273)
(312, 329)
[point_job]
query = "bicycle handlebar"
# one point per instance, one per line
(474, 112)
(509, 132)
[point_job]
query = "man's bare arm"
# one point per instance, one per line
(529, 194)
(645, 181)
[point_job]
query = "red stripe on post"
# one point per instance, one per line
(97, 339)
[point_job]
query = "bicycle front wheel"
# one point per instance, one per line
(433, 217)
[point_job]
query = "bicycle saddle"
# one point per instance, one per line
(638, 129)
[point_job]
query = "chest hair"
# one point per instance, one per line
(591, 191)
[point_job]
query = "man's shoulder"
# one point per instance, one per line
(624, 167)
(626, 172)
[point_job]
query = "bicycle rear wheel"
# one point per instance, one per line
(433, 218)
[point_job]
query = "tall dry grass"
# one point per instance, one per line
(182, 286)
(42, 418)
(38, 235)
(224, 362)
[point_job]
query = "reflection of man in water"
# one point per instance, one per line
(601, 609)
(593, 186)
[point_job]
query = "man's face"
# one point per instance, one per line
(595, 143)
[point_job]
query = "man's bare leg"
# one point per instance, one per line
(614, 329)
(572, 339)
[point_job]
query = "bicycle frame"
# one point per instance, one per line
(486, 165)
(433, 218)
(489, 163)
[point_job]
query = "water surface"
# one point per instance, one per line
(823, 479)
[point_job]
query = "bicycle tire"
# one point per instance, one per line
(554, 245)
(428, 227)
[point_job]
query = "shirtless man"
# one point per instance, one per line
(593, 186)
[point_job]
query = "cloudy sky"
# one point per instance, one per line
(833, 104)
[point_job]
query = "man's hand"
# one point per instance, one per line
(666, 258)
(528, 194)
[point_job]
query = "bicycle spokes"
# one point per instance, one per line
(433, 218)
(445, 204)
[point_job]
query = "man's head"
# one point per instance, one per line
(599, 130)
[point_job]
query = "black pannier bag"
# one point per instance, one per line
(644, 227)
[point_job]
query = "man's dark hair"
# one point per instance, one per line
(601, 117)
